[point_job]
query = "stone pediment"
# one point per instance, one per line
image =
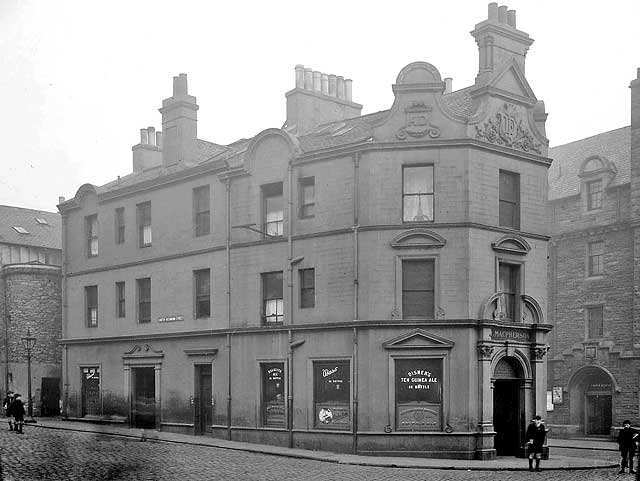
(511, 244)
(513, 80)
(418, 339)
(418, 239)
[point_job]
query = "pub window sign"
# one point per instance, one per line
(418, 385)
(332, 394)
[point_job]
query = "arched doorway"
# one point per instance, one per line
(591, 400)
(508, 406)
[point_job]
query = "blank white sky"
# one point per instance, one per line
(80, 77)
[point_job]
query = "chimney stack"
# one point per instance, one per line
(499, 42)
(148, 153)
(179, 124)
(318, 98)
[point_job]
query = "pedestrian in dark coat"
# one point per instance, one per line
(536, 433)
(6, 404)
(627, 445)
(17, 408)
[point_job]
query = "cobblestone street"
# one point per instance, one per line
(46, 454)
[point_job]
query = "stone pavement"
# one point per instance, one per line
(564, 454)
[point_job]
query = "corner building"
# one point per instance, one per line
(372, 284)
(594, 280)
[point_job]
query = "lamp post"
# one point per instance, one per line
(29, 342)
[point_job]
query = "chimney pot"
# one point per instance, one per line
(340, 87)
(299, 76)
(332, 85)
(316, 81)
(502, 14)
(493, 11)
(152, 135)
(180, 85)
(348, 86)
(448, 85)
(324, 80)
(60, 199)
(511, 18)
(308, 79)
(144, 136)
(159, 139)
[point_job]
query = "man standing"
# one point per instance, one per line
(18, 413)
(536, 433)
(6, 404)
(627, 445)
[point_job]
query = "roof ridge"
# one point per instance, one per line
(28, 208)
(590, 137)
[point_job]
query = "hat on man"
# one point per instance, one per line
(626, 421)
(536, 418)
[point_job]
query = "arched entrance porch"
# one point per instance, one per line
(508, 405)
(591, 391)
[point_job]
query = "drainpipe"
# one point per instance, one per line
(292, 345)
(356, 205)
(227, 185)
(355, 392)
(356, 226)
(65, 317)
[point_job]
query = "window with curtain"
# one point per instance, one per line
(417, 193)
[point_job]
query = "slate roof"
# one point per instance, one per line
(614, 145)
(205, 151)
(460, 102)
(38, 235)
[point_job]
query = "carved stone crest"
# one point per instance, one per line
(539, 352)
(485, 351)
(417, 122)
(395, 313)
(440, 314)
(506, 128)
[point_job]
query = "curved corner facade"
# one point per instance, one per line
(372, 284)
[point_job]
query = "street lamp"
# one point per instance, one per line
(29, 342)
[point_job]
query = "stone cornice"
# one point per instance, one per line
(284, 328)
(362, 147)
(297, 237)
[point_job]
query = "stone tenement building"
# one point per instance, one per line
(30, 300)
(594, 279)
(358, 283)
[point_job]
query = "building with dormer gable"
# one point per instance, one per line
(358, 283)
(594, 279)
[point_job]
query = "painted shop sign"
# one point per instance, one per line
(418, 384)
(504, 333)
(332, 385)
(171, 319)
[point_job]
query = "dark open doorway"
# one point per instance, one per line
(143, 402)
(203, 396)
(506, 416)
(50, 396)
(598, 414)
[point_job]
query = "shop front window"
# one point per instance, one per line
(273, 410)
(418, 387)
(332, 394)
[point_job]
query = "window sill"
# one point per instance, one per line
(302, 217)
(142, 246)
(594, 277)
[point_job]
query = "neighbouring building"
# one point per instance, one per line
(358, 283)
(30, 305)
(594, 280)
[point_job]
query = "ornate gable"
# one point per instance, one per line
(418, 339)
